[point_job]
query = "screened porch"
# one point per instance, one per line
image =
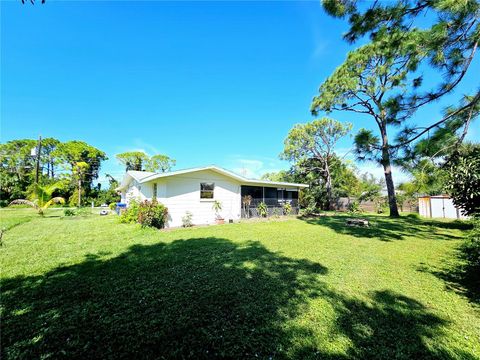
(273, 197)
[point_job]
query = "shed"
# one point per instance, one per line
(439, 206)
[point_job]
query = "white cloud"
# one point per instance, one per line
(254, 168)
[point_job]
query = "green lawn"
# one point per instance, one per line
(88, 287)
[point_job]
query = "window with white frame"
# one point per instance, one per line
(206, 190)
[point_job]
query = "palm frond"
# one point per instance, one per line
(55, 200)
(24, 202)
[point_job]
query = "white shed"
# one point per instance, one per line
(439, 206)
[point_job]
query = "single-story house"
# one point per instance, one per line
(194, 190)
(439, 206)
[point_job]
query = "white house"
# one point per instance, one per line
(196, 189)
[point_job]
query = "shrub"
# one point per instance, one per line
(152, 214)
(471, 247)
(130, 214)
(287, 209)
(69, 212)
(262, 209)
(187, 219)
(112, 206)
(354, 207)
(276, 212)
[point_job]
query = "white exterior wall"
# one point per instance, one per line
(181, 193)
(133, 191)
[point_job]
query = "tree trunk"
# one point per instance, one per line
(79, 192)
(328, 186)
(387, 169)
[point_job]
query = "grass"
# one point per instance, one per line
(88, 287)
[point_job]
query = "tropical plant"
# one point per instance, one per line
(463, 182)
(217, 207)
(187, 219)
(246, 201)
(35, 204)
(262, 209)
(69, 212)
(287, 209)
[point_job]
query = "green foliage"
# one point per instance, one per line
(112, 206)
(463, 179)
(287, 208)
(312, 147)
(130, 214)
(69, 212)
(471, 246)
(159, 163)
(382, 79)
(280, 176)
(152, 214)
(262, 209)
(133, 160)
(354, 207)
(187, 219)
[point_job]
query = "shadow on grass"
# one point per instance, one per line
(459, 275)
(387, 229)
(202, 298)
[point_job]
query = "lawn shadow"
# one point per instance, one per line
(388, 229)
(459, 276)
(200, 298)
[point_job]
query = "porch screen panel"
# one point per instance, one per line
(271, 197)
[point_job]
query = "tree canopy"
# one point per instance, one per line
(316, 140)
(384, 79)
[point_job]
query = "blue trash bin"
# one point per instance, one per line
(119, 207)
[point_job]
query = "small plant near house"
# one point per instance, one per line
(276, 212)
(152, 214)
(217, 207)
(262, 209)
(246, 201)
(187, 219)
(69, 212)
(287, 209)
(130, 214)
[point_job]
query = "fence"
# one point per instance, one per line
(370, 206)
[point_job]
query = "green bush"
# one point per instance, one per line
(471, 246)
(354, 207)
(152, 214)
(112, 206)
(262, 209)
(69, 212)
(130, 214)
(287, 209)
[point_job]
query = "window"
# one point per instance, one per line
(154, 190)
(206, 190)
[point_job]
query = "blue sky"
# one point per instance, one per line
(204, 83)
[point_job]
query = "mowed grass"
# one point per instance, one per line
(88, 287)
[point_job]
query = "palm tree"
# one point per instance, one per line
(40, 198)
